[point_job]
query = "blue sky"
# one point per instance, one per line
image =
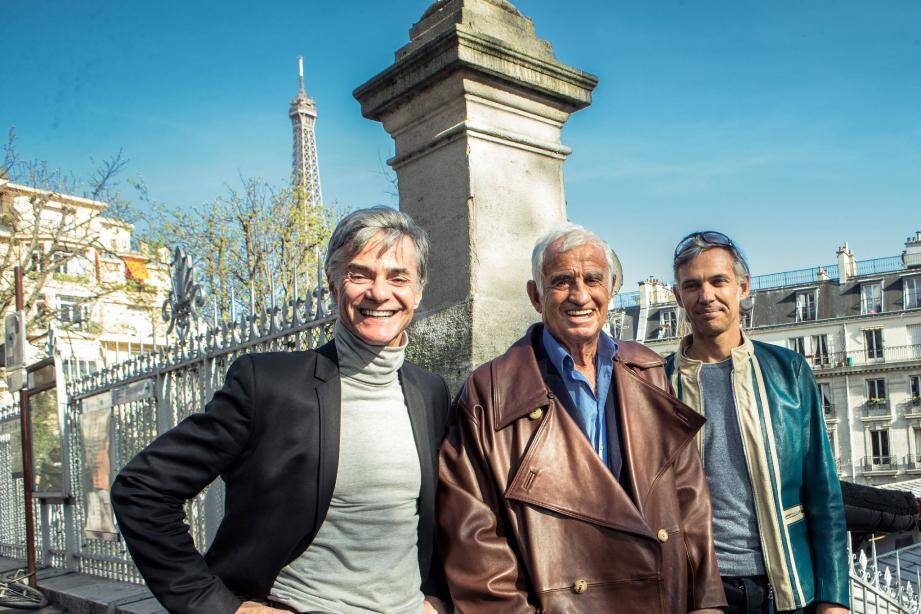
(792, 126)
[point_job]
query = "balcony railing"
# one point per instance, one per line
(873, 356)
(879, 463)
(912, 462)
(799, 277)
(626, 299)
(875, 411)
(830, 414)
(911, 408)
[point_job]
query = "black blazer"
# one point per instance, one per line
(272, 434)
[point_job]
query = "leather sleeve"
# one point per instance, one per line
(482, 568)
(705, 588)
(149, 493)
(821, 497)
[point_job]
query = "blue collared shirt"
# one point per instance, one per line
(589, 404)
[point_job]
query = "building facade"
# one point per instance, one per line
(82, 278)
(857, 322)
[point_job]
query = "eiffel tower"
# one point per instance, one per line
(306, 171)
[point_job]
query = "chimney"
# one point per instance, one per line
(911, 257)
(847, 266)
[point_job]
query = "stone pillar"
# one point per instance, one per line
(475, 104)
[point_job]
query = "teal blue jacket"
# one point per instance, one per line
(796, 489)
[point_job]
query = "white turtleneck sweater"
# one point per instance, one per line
(364, 557)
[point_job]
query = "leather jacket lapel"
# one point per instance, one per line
(561, 472)
(656, 427)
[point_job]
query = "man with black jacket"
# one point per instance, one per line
(329, 458)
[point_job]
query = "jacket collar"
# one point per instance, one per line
(524, 385)
(327, 364)
(741, 355)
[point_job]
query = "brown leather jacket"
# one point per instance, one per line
(531, 519)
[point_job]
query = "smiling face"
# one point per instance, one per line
(379, 293)
(711, 293)
(577, 289)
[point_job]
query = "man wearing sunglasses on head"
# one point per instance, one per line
(778, 516)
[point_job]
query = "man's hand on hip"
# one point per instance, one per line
(830, 608)
(251, 607)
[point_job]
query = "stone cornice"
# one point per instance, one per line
(459, 49)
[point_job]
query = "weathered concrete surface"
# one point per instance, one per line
(79, 593)
(475, 103)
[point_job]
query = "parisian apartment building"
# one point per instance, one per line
(100, 294)
(857, 322)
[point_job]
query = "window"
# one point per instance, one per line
(876, 392)
(820, 350)
(668, 325)
(871, 298)
(805, 306)
(60, 261)
(798, 344)
(75, 368)
(879, 447)
(825, 394)
(72, 310)
(873, 343)
(915, 386)
(746, 317)
(70, 263)
(912, 292)
(35, 260)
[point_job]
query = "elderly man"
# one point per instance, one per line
(328, 456)
(569, 478)
(778, 517)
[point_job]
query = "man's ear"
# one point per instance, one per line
(534, 295)
(745, 285)
(333, 291)
(677, 294)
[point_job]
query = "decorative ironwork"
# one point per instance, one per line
(876, 589)
(181, 307)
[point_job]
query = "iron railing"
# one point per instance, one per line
(149, 394)
(860, 358)
(878, 588)
(879, 463)
(911, 461)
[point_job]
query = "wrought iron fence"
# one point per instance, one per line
(147, 395)
(879, 585)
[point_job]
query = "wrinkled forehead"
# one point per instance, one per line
(382, 251)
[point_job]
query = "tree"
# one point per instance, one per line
(47, 231)
(253, 237)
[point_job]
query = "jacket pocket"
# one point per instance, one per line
(793, 514)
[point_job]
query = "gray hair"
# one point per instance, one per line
(697, 243)
(565, 238)
(357, 229)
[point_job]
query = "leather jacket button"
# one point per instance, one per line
(662, 535)
(537, 414)
(579, 586)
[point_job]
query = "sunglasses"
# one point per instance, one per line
(710, 237)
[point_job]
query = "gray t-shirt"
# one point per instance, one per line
(735, 524)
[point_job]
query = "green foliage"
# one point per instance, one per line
(251, 236)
